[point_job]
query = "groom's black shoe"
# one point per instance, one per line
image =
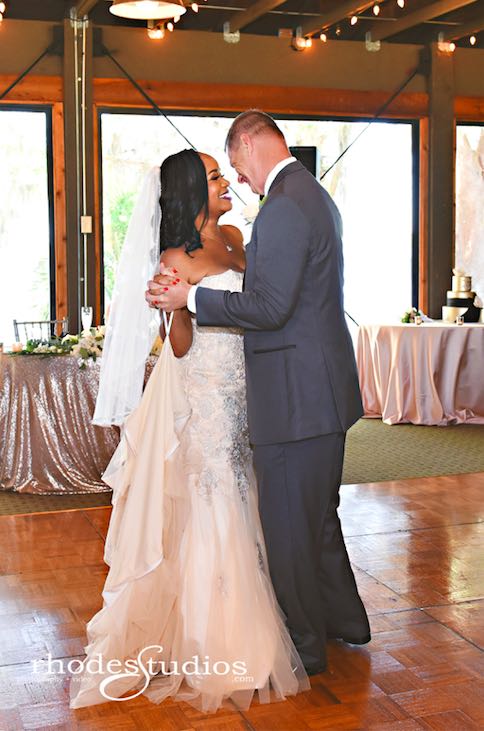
(352, 640)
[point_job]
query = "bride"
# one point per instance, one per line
(189, 611)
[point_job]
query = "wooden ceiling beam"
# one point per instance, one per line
(253, 12)
(344, 9)
(470, 28)
(385, 28)
(83, 7)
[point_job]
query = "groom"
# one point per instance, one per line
(302, 383)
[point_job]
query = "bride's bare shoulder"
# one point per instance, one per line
(187, 266)
(234, 234)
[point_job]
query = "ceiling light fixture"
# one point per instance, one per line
(401, 3)
(323, 37)
(156, 31)
(354, 20)
(147, 9)
(443, 45)
(298, 44)
(376, 9)
(472, 40)
(156, 34)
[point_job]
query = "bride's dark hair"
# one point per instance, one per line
(184, 195)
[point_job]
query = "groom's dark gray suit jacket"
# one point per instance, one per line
(300, 365)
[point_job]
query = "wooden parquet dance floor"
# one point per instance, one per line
(417, 549)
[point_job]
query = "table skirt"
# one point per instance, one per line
(422, 374)
(49, 445)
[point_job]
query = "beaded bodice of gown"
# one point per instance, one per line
(214, 377)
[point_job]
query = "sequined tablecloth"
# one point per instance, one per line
(422, 374)
(49, 444)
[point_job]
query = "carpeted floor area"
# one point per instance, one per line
(375, 452)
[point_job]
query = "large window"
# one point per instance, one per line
(131, 144)
(469, 231)
(372, 185)
(25, 218)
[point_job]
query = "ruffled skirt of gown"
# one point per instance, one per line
(188, 588)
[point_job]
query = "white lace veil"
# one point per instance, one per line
(132, 326)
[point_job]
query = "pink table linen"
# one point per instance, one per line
(422, 374)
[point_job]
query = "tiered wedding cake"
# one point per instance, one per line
(460, 300)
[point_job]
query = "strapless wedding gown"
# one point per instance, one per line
(188, 588)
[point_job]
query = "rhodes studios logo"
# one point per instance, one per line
(115, 670)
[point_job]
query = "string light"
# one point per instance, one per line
(452, 47)
(176, 19)
(401, 3)
(376, 9)
(354, 20)
(309, 42)
(338, 31)
(170, 27)
(472, 40)
(195, 7)
(323, 37)
(2, 7)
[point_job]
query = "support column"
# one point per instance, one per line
(441, 179)
(79, 169)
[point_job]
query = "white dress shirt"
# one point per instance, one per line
(275, 172)
(191, 302)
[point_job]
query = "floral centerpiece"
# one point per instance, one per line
(410, 315)
(87, 346)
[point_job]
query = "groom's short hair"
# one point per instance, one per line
(251, 122)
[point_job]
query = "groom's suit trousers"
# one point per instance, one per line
(298, 485)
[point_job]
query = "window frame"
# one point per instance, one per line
(415, 174)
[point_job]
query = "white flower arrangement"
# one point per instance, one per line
(87, 347)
